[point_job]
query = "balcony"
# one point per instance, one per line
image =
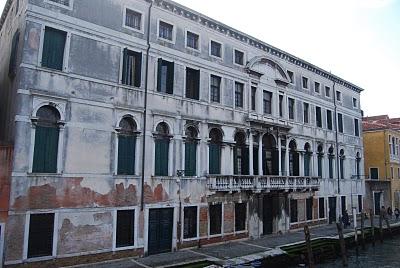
(237, 183)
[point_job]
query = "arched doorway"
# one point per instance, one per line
(270, 155)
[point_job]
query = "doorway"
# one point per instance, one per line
(160, 230)
(332, 209)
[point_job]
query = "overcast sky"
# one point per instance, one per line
(358, 40)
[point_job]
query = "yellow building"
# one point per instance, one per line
(381, 162)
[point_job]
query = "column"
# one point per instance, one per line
(231, 166)
(251, 170)
(287, 158)
(280, 155)
(260, 166)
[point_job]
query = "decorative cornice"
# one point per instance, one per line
(247, 39)
(5, 13)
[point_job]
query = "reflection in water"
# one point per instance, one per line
(384, 255)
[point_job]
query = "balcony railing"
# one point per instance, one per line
(232, 183)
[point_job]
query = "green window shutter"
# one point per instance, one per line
(255, 160)
(46, 150)
(125, 67)
(190, 158)
(214, 159)
(138, 69)
(53, 48)
(126, 155)
(161, 165)
(170, 78)
(159, 75)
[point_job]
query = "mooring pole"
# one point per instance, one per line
(371, 216)
(309, 248)
(362, 230)
(342, 242)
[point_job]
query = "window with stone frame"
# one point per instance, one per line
(373, 173)
(61, 2)
(192, 83)
(291, 76)
(291, 103)
(305, 82)
(239, 57)
(340, 122)
(293, 211)
(267, 102)
(190, 222)
(40, 237)
(132, 68)
(306, 112)
(239, 88)
(165, 76)
(192, 40)
(317, 87)
(216, 49)
(53, 48)
(165, 30)
(253, 98)
(240, 216)
(125, 228)
(329, 119)
(133, 19)
(327, 91)
(318, 116)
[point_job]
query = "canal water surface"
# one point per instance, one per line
(386, 255)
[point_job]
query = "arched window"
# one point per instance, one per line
(341, 166)
(191, 151)
(358, 161)
(162, 138)
(214, 161)
(270, 155)
(293, 159)
(126, 146)
(331, 158)
(240, 155)
(307, 159)
(320, 160)
(46, 140)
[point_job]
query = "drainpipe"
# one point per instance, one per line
(145, 107)
(336, 137)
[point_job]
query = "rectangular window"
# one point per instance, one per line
(125, 228)
(321, 208)
(293, 210)
(305, 82)
(165, 31)
(267, 102)
(192, 83)
(165, 76)
(338, 96)
(215, 88)
(291, 108)
(240, 216)
(317, 87)
(216, 49)
(133, 19)
(61, 2)
(192, 40)
(189, 222)
(318, 116)
(328, 92)
(239, 94)
(291, 76)
(126, 154)
(45, 152)
(53, 48)
(281, 105)
(161, 159)
(132, 68)
(306, 107)
(239, 57)
(329, 119)
(215, 219)
(355, 103)
(340, 123)
(40, 240)
(356, 128)
(373, 173)
(190, 157)
(309, 208)
(253, 98)
(330, 162)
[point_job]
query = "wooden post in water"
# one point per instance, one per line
(362, 230)
(371, 216)
(309, 248)
(381, 226)
(342, 242)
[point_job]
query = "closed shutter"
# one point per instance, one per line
(125, 67)
(170, 78)
(215, 159)
(40, 241)
(215, 219)
(190, 158)
(255, 160)
(162, 146)
(46, 150)
(159, 73)
(138, 69)
(197, 85)
(245, 162)
(235, 160)
(190, 222)
(126, 155)
(53, 48)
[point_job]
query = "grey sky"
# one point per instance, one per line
(358, 40)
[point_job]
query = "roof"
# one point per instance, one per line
(381, 122)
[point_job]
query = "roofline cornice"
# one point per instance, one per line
(195, 16)
(5, 13)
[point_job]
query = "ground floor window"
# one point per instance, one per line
(240, 216)
(189, 222)
(40, 241)
(125, 228)
(321, 208)
(309, 208)
(215, 219)
(293, 210)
